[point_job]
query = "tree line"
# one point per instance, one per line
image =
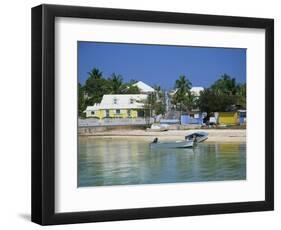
(225, 94)
(97, 85)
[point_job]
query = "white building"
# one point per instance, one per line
(144, 88)
(118, 106)
(196, 90)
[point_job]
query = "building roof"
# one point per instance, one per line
(119, 101)
(173, 92)
(144, 88)
(196, 90)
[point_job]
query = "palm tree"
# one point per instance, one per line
(183, 86)
(159, 107)
(95, 86)
(115, 83)
(225, 85)
(149, 106)
(159, 92)
(95, 74)
(241, 95)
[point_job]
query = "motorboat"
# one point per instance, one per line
(172, 144)
(197, 137)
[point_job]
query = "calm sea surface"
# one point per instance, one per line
(112, 161)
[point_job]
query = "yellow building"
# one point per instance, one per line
(228, 118)
(118, 106)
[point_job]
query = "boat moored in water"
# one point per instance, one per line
(170, 144)
(197, 137)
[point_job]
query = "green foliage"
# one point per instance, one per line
(183, 86)
(95, 87)
(224, 95)
(130, 89)
(183, 99)
(221, 96)
(159, 106)
(154, 104)
(241, 95)
(211, 101)
(81, 100)
(115, 83)
(149, 104)
(225, 85)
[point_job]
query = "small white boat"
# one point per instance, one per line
(174, 144)
(197, 137)
(157, 128)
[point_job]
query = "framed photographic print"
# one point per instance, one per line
(142, 114)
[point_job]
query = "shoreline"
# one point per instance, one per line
(215, 135)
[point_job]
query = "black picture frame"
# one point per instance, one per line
(43, 114)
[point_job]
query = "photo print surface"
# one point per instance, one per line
(151, 114)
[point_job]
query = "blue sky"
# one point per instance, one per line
(161, 65)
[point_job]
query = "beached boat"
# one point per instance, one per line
(197, 137)
(157, 128)
(170, 144)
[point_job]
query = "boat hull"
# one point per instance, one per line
(201, 139)
(177, 144)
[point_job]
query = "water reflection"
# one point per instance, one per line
(112, 161)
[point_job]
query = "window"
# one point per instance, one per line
(117, 111)
(114, 101)
(131, 100)
(92, 112)
(107, 113)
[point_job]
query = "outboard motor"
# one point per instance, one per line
(194, 138)
(155, 140)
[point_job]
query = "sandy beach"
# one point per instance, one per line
(215, 135)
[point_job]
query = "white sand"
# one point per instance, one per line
(215, 135)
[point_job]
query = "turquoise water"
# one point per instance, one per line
(120, 161)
